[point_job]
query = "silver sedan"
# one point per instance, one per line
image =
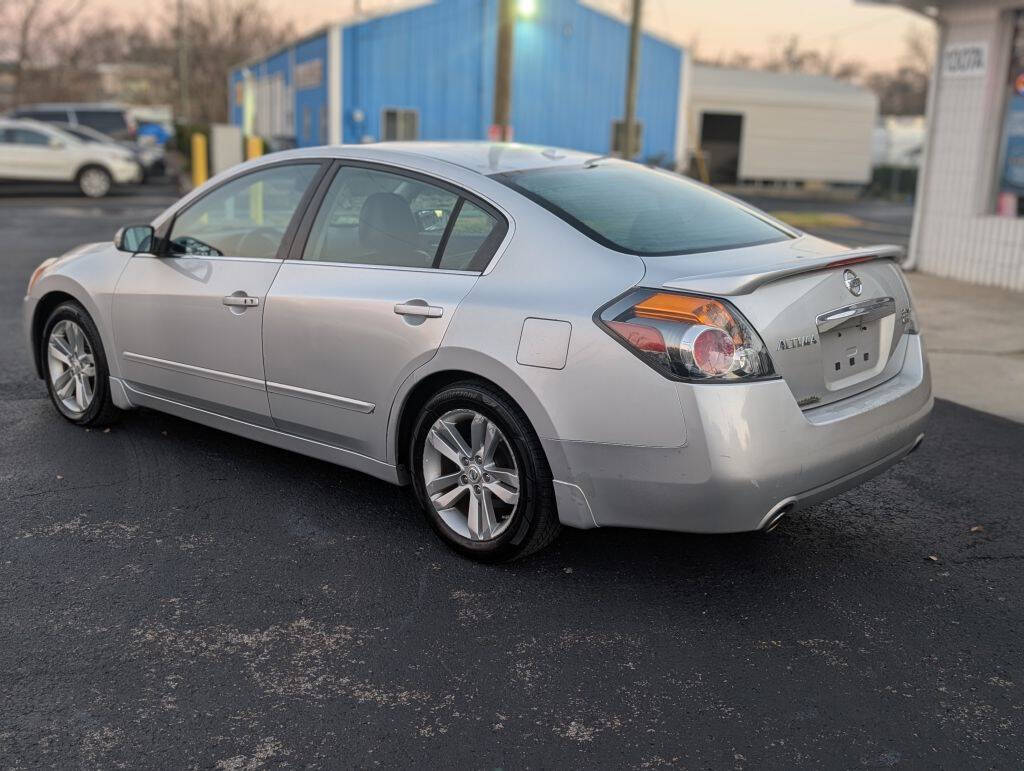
(532, 338)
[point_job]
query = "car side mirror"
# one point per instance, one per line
(57, 144)
(135, 238)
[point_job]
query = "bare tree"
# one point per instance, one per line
(221, 34)
(791, 56)
(27, 28)
(905, 90)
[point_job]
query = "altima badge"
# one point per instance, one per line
(796, 342)
(853, 283)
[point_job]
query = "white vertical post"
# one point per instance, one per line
(683, 110)
(334, 85)
(930, 110)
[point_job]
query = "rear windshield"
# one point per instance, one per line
(643, 211)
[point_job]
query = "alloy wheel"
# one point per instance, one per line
(470, 474)
(72, 366)
(95, 183)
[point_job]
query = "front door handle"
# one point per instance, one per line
(241, 300)
(418, 308)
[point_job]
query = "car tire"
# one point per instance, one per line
(94, 181)
(75, 367)
(497, 441)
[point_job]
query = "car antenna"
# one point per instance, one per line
(592, 162)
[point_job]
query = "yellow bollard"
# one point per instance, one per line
(253, 147)
(200, 160)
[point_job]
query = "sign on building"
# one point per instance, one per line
(965, 60)
(309, 74)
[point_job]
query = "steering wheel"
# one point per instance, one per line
(266, 237)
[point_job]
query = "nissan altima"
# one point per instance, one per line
(532, 338)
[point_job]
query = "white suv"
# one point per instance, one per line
(30, 150)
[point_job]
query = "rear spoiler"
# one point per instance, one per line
(746, 280)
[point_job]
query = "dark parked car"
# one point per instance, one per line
(114, 120)
(149, 155)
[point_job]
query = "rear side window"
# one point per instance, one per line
(107, 121)
(375, 217)
(473, 230)
(642, 211)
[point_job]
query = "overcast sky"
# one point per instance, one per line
(856, 30)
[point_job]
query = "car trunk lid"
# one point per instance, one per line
(833, 319)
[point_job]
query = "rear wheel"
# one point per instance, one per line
(75, 367)
(94, 181)
(481, 476)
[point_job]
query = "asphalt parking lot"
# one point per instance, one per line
(174, 596)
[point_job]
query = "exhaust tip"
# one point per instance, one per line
(774, 517)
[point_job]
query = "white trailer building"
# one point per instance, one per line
(969, 222)
(755, 126)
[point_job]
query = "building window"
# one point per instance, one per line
(619, 135)
(307, 124)
(1010, 193)
(399, 125)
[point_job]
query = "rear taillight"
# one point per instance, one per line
(687, 337)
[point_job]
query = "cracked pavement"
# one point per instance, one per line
(174, 596)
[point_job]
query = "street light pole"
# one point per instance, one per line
(503, 71)
(183, 106)
(632, 73)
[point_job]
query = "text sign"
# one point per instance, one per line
(309, 74)
(965, 60)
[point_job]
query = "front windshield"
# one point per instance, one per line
(638, 210)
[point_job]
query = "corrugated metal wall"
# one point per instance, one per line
(428, 59)
(957, 234)
(311, 101)
(568, 88)
(570, 81)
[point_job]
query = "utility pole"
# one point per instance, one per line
(632, 73)
(502, 123)
(183, 106)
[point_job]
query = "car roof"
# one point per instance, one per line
(482, 157)
(27, 123)
(107, 106)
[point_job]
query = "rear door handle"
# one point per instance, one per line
(418, 308)
(241, 300)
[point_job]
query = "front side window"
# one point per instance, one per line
(19, 136)
(246, 217)
(644, 211)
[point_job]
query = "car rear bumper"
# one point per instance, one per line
(750, 453)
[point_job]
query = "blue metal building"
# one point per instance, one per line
(428, 73)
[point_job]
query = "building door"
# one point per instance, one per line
(720, 136)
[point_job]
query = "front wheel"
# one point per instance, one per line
(94, 181)
(481, 476)
(75, 367)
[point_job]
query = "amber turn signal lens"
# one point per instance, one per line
(689, 310)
